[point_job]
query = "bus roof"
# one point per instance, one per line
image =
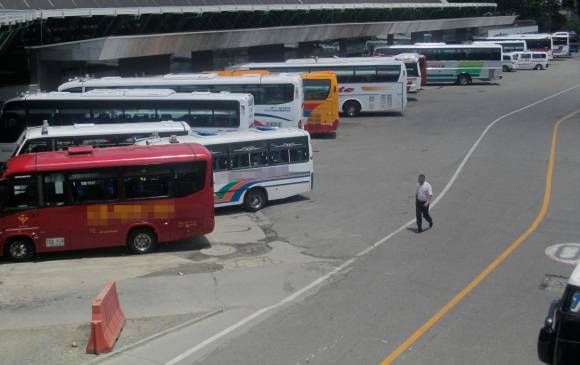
(370, 61)
(444, 46)
(136, 94)
(500, 41)
(90, 129)
(85, 157)
(181, 79)
(521, 36)
(231, 136)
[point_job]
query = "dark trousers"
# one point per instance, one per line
(422, 211)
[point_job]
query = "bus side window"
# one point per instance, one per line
(94, 187)
(279, 154)
(188, 178)
(299, 154)
(54, 190)
(219, 157)
(147, 183)
(240, 160)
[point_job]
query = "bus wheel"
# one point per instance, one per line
(142, 240)
(20, 249)
(538, 67)
(505, 68)
(255, 200)
(351, 108)
(463, 80)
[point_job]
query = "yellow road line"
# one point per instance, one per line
(496, 263)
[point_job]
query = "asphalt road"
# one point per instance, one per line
(365, 183)
(365, 186)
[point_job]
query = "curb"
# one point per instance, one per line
(102, 358)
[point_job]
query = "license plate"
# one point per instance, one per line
(55, 242)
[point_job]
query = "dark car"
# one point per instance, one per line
(559, 340)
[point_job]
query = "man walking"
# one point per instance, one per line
(423, 197)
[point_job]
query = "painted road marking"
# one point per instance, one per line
(567, 253)
(411, 340)
(325, 278)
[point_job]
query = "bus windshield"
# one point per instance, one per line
(316, 89)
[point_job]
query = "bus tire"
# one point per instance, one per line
(142, 240)
(255, 199)
(463, 80)
(351, 108)
(505, 68)
(19, 249)
(538, 67)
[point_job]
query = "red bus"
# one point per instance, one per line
(86, 198)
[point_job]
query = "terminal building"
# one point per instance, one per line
(46, 42)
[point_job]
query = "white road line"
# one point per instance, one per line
(371, 248)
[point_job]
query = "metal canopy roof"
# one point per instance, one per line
(76, 4)
(182, 44)
(16, 11)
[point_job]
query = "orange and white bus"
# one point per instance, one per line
(320, 102)
(321, 98)
(86, 198)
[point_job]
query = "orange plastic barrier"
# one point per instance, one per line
(107, 322)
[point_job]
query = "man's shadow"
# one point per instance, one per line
(415, 230)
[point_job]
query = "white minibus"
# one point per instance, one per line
(56, 138)
(532, 60)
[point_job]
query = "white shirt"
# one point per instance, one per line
(424, 191)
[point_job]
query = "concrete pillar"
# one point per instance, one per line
(461, 34)
(202, 61)
(437, 36)
(417, 37)
(273, 53)
(150, 65)
(47, 74)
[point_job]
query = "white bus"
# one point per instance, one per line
(561, 44)
(278, 98)
(534, 42)
(366, 84)
(459, 63)
(57, 138)
(254, 166)
(205, 111)
(508, 46)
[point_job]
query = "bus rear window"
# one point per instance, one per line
(316, 89)
(276, 94)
